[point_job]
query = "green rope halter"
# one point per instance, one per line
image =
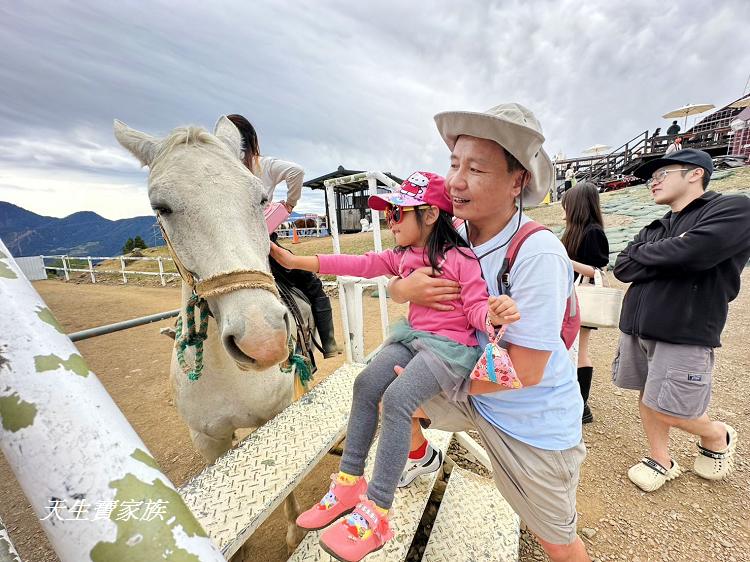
(192, 338)
(300, 363)
(195, 338)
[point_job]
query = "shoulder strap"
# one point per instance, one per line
(526, 230)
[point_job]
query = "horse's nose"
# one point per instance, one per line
(258, 337)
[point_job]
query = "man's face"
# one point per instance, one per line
(670, 183)
(478, 181)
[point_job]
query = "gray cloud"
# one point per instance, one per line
(346, 83)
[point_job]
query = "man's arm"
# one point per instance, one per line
(528, 363)
(628, 270)
(722, 232)
(424, 288)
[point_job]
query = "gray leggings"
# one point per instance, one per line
(401, 396)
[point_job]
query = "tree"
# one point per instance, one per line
(132, 244)
(128, 247)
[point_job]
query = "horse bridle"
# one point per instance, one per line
(221, 283)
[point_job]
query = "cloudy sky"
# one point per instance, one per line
(337, 82)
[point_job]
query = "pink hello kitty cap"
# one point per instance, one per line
(420, 188)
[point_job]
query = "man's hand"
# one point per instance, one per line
(502, 310)
(425, 288)
(289, 207)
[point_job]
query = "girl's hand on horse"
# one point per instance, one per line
(287, 259)
(502, 310)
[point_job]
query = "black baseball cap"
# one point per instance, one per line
(684, 156)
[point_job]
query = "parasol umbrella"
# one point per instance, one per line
(744, 102)
(689, 109)
(597, 149)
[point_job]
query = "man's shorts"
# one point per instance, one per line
(675, 379)
(539, 485)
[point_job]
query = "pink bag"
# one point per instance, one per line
(495, 365)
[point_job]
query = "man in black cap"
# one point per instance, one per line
(674, 128)
(684, 269)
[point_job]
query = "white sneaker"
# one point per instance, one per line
(431, 462)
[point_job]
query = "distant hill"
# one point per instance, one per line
(80, 234)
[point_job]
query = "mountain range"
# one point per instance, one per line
(80, 234)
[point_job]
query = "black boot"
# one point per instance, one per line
(321, 308)
(585, 374)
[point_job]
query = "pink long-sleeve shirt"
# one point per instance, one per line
(469, 310)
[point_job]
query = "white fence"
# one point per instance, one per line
(67, 266)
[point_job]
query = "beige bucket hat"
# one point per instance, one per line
(514, 128)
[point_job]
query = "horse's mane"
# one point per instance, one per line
(186, 135)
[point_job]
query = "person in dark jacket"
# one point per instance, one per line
(588, 248)
(684, 269)
(673, 129)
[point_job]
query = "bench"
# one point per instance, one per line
(408, 506)
(235, 495)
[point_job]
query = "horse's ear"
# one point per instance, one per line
(141, 145)
(228, 133)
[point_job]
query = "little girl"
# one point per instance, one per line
(438, 350)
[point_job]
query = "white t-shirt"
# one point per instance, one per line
(547, 415)
(273, 171)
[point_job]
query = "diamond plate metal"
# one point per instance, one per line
(232, 497)
(408, 506)
(474, 523)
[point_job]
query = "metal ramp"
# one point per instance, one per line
(408, 506)
(232, 497)
(474, 523)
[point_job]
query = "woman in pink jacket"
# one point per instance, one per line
(438, 350)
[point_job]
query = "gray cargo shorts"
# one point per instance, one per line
(539, 485)
(675, 379)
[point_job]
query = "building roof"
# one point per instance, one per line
(340, 172)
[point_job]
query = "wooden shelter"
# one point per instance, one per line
(351, 199)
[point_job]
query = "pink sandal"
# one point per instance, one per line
(340, 500)
(355, 536)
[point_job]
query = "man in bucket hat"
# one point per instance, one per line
(533, 434)
(684, 269)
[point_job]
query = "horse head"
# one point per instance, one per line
(211, 211)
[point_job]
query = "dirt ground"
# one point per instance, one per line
(688, 519)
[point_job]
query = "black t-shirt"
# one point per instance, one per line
(594, 248)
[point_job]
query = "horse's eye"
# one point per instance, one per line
(162, 210)
(263, 201)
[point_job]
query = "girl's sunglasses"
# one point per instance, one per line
(395, 214)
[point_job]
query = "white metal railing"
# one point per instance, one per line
(76, 457)
(351, 288)
(67, 266)
(305, 232)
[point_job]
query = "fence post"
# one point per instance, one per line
(65, 268)
(91, 270)
(161, 270)
(122, 270)
(74, 454)
(372, 189)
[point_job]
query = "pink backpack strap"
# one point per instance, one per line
(526, 230)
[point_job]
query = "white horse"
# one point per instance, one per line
(211, 210)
